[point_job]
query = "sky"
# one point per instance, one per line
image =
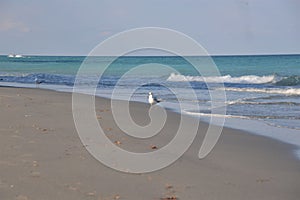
(75, 27)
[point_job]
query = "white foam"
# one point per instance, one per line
(288, 91)
(222, 79)
(20, 74)
(215, 115)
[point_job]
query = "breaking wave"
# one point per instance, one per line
(248, 79)
(223, 79)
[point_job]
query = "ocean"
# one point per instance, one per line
(262, 91)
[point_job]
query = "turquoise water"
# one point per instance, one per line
(261, 88)
(283, 65)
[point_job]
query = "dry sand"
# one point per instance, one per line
(42, 158)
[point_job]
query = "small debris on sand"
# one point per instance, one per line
(35, 164)
(70, 187)
(261, 180)
(169, 198)
(90, 194)
(169, 187)
(104, 110)
(22, 197)
(35, 174)
(170, 193)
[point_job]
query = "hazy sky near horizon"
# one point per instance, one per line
(75, 27)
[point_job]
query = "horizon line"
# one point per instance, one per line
(70, 55)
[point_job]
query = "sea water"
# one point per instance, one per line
(263, 89)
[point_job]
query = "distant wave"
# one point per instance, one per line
(289, 81)
(289, 91)
(249, 79)
(55, 79)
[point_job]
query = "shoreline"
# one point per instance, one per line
(41, 157)
(250, 126)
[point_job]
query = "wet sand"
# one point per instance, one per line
(42, 157)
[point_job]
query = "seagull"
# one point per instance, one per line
(152, 99)
(37, 81)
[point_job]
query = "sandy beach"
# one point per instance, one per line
(42, 157)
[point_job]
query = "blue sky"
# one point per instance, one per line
(75, 27)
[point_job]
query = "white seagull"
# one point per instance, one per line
(152, 99)
(37, 81)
